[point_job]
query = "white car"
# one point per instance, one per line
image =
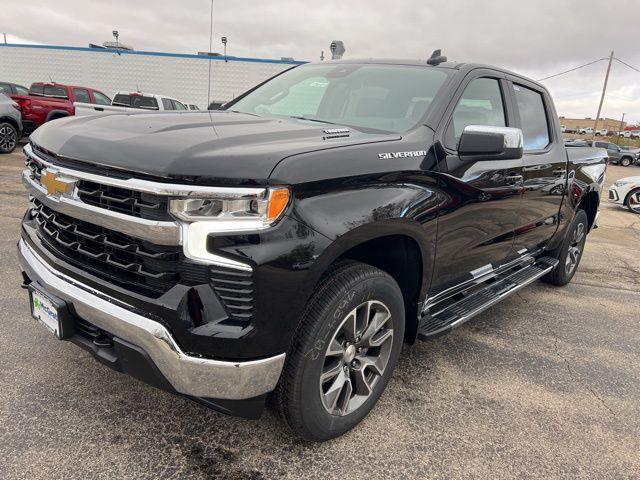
(134, 102)
(630, 134)
(585, 131)
(626, 191)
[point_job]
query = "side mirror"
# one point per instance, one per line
(484, 142)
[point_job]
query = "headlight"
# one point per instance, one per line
(238, 209)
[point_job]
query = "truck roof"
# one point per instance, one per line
(423, 63)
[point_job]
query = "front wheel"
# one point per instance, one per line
(343, 354)
(633, 201)
(8, 137)
(570, 252)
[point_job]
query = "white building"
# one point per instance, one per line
(181, 76)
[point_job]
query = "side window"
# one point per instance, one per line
(178, 105)
(122, 100)
(603, 145)
(36, 89)
(101, 98)
(480, 104)
(166, 104)
(6, 88)
(22, 90)
(81, 95)
(535, 126)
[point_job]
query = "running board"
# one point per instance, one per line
(439, 322)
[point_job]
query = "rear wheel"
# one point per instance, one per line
(8, 137)
(570, 252)
(625, 161)
(633, 201)
(344, 352)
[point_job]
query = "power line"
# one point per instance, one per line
(572, 69)
(630, 66)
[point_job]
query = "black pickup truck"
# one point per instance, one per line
(281, 250)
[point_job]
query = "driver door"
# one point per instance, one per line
(476, 231)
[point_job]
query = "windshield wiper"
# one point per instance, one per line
(312, 120)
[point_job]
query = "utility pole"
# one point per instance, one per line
(604, 89)
(5, 37)
(621, 123)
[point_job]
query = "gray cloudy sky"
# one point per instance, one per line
(534, 37)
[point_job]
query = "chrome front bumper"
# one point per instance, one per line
(189, 375)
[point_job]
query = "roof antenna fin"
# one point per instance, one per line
(436, 58)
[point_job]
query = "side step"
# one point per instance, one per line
(457, 313)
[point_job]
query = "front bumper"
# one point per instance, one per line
(189, 375)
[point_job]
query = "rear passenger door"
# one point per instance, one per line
(544, 168)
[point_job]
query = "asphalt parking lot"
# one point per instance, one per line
(543, 385)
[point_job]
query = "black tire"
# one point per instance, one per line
(300, 398)
(625, 161)
(632, 202)
(562, 274)
(8, 137)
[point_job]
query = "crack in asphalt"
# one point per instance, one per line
(574, 375)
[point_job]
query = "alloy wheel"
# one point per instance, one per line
(8, 138)
(575, 248)
(356, 358)
(634, 201)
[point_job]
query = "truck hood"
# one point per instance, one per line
(205, 147)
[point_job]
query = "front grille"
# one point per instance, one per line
(34, 167)
(122, 200)
(134, 264)
(235, 290)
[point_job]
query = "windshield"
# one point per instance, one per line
(391, 98)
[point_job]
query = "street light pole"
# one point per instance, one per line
(604, 89)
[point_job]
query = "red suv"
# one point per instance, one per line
(48, 101)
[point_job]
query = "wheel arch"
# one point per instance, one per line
(626, 197)
(12, 121)
(589, 203)
(405, 253)
(55, 114)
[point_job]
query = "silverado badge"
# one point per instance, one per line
(55, 184)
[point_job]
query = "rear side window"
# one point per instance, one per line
(81, 95)
(6, 88)
(101, 98)
(166, 104)
(122, 100)
(535, 126)
(480, 104)
(36, 90)
(57, 92)
(138, 101)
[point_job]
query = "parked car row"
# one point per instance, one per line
(131, 101)
(45, 101)
(602, 132)
(624, 156)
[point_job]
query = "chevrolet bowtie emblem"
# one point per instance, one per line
(56, 185)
